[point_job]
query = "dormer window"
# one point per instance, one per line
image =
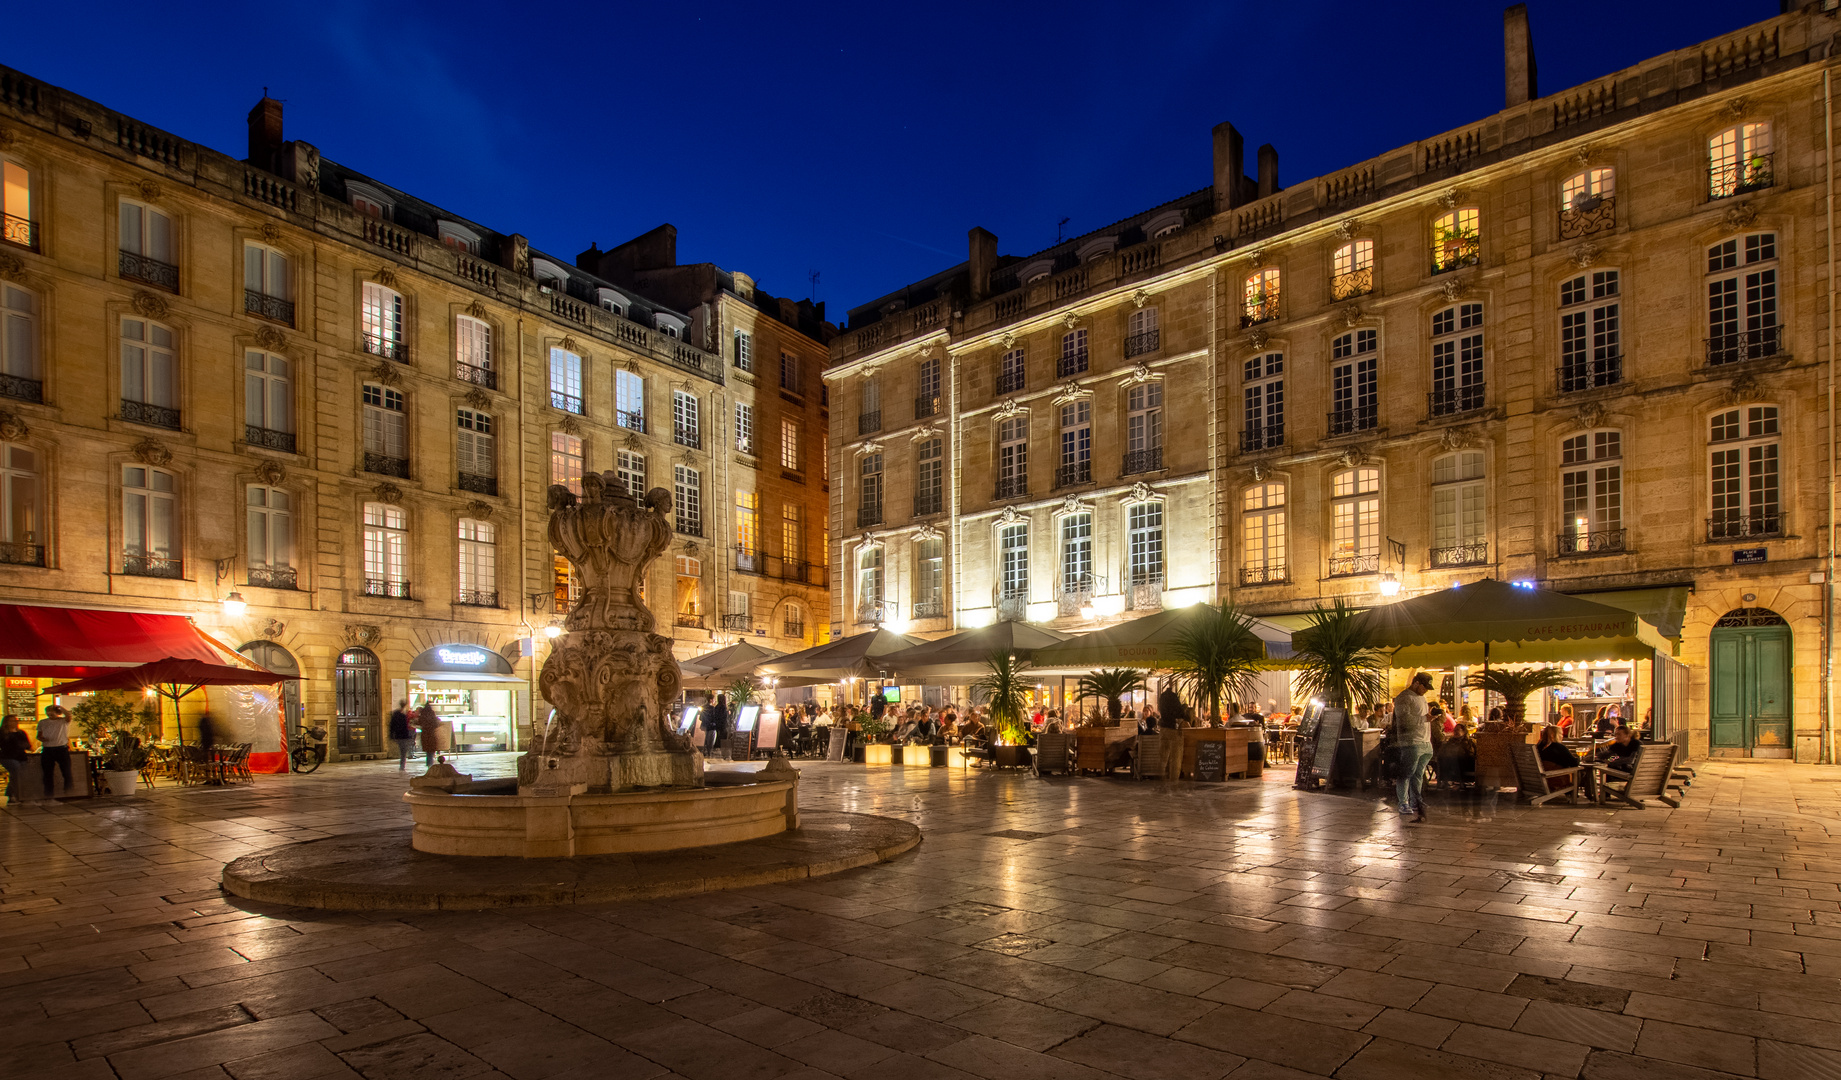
(1036, 271)
(458, 237)
(669, 325)
(1097, 248)
(370, 201)
(1164, 224)
(550, 275)
(612, 300)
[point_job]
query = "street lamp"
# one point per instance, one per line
(234, 605)
(553, 631)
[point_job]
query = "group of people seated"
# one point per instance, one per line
(1619, 754)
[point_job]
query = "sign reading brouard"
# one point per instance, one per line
(473, 659)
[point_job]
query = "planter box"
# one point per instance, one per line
(121, 783)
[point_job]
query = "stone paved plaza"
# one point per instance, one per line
(1043, 929)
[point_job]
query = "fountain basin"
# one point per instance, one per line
(559, 826)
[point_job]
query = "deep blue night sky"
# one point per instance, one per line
(858, 140)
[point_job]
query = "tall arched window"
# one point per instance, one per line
(386, 431)
(1591, 331)
(1352, 270)
(270, 514)
(473, 352)
(1262, 531)
(869, 584)
(1013, 457)
(386, 551)
(1460, 510)
(869, 493)
(1355, 522)
(1457, 240)
(476, 452)
(383, 322)
(1742, 299)
(1076, 562)
(929, 578)
(792, 621)
(1259, 300)
(477, 577)
(1739, 160)
(1143, 428)
(1592, 493)
(1742, 488)
(1588, 203)
(1144, 551)
(150, 522)
(1013, 571)
(1457, 360)
(1076, 466)
(149, 374)
(1355, 387)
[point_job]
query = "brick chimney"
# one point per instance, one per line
(1230, 167)
(1268, 170)
(981, 261)
(1519, 76)
(265, 134)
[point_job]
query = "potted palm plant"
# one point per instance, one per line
(1217, 656)
(1495, 766)
(1337, 662)
(1111, 685)
(1006, 691)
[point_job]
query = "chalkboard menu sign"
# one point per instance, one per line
(1329, 731)
(834, 750)
(1211, 760)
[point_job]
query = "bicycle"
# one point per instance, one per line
(309, 751)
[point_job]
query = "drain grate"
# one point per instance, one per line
(1019, 834)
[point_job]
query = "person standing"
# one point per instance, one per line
(429, 721)
(715, 723)
(1171, 712)
(15, 744)
(1412, 741)
(54, 746)
(402, 734)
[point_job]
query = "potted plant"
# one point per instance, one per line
(1337, 663)
(1217, 655)
(1495, 766)
(1006, 691)
(123, 757)
(1111, 685)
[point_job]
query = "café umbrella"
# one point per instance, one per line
(967, 654)
(855, 657)
(724, 666)
(1150, 641)
(172, 678)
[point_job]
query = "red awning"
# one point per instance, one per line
(69, 643)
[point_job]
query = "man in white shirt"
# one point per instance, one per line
(1412, 742)
(54, 746)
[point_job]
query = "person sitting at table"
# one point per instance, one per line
(1148, 725)
(1565, 721)
(1456, 759)
(1606, 723)
(926, 730)
(1555, 754)
(1620, 753)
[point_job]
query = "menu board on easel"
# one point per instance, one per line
(1211, 760)
(1330, 727)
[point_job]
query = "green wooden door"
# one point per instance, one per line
(1750, 699)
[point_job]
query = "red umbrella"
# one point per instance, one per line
(165, 677)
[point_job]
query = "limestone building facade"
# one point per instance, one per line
(1582, 344)
(284, 379)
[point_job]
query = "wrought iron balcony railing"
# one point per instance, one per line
(1267, 574)
(688, 524)
(1744, 345)
(875, 611)
(268, 307)
(1351, 565)
(869, 421)
(1349, 421)
(631, 419)
(1473, 554)
(1586, 374)
(1141, 461)
(1013, 607)
(1145, 592)
(385, 465)
(1071, 364)
(1144, 341)
(19, 232)
(1347, 286)
(141, 564)
(1755, 173)
(269, 438)
(1593, 542)
(686, 435)
(792, 628)
(1744, 526)
(1589, 218)
(274, 577)
(160, 416)
(1009, 382)
(928, 503)
(1266, 437)
(692, 619)
(568, 403)
(477, 598)
(1012, 487)
(739, 624)
(478, 376)
(1259, 311)
(1459, 399)
(140, 268)
(12, 554)
(389, 590)
(926, 405)
(1075, 593)
(930, 609)
(1456, 253)
(1079, 472)
(20, 388)
(386, 346)
(869, 515)
(482, 485)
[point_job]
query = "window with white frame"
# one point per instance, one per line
(386, 550)
(268, 400)
(1591, 331)
(478, 571)
(791, 436)
(686, 425)
(386, 431)
(1013, 573)
(792, 620)
(566, 461)
(869, 583)
(927, 388)
(458, 237)
(738, 617)
(869, 414)
(145, 235)
(1355, 400)
(748, 530)
(869, 489)
(744, 427)
(630, 470)
(744, 350)
(270, 519)
(1076, 555)
(150, 522)
(1355, 522)
(1073, 353)
(149, 374)
(687, 499)
(1592, 493)
(1259, 297)
(1457, 359)
(1352, 270)
(1742, 299)
(792, 535)
(630, 400)
(1742, 487)
(929, 477)
(1076, 465)
(1457, 240)
(1739, 160)
(1144, 544)
(19, 371)
(690, 590)
(1144, 428)
(473, 351)
(1141, 333)
(22, 506)
(566, 381)
(268, 281)
(383, 322)
(1262, 534)
(369, 201)
(1013, 456)
(929, 578)
(1262, 396)
(1460, 510)
(475, 452)
(789, 373)
(1011, 372)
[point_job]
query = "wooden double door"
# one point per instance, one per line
(1750, 695)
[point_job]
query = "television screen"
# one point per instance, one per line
(892, 694)
(744, 720)
(688, 720)
(769, 735)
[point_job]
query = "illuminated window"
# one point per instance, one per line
(1355, 522)
(1457, 240)
(1259, 301)
(382, 314)
(1739, 160)
(1592, 493)
(1263, 534)
(1591, 337)
(1352, 270)
(566, 461)
(1742, 299)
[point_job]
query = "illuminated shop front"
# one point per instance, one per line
(474, 691)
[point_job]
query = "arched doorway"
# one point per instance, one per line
(281, 662)
(358, 692)
(1749, 658)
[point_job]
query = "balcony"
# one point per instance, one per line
(875, 611)
(1071, 364)
(1260, 310)
(868, 516)
(385, 465)
(1589, 374)
(1144, 592)
(389, 590)
(750, 560)
(793, 628)
(926, 405)
(1010, 382)
(269, 438)
(274, 577)
(691, 619)
(687, 435)
(264, 306)
(931, 503)
(869, 421)
(1474, 554)
(688, 524)
(1737, 526)
(1349, 421)
(1012, 487)
(477, 598)
(1268, 574)
(20, 388)
(631, 420)
(1352, 565)
(1738, 177)
(1595, 542)
(386, 346)
(148, 271)
(1075, 593)
(930, 609)
(139, 412)
(1144, 341)
(797, 570)
(1079, 472)
(1265, 437)
(1013, 607)
(1460, 399)
(1141, 461)
(568, 403)
(19, 232)
(12, 554)
(1354, 283)
(479, 485)
(1455, 253)
(738, 624)
(1744, 345)
(478, 376)
(141, 564)
(1589, 217)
